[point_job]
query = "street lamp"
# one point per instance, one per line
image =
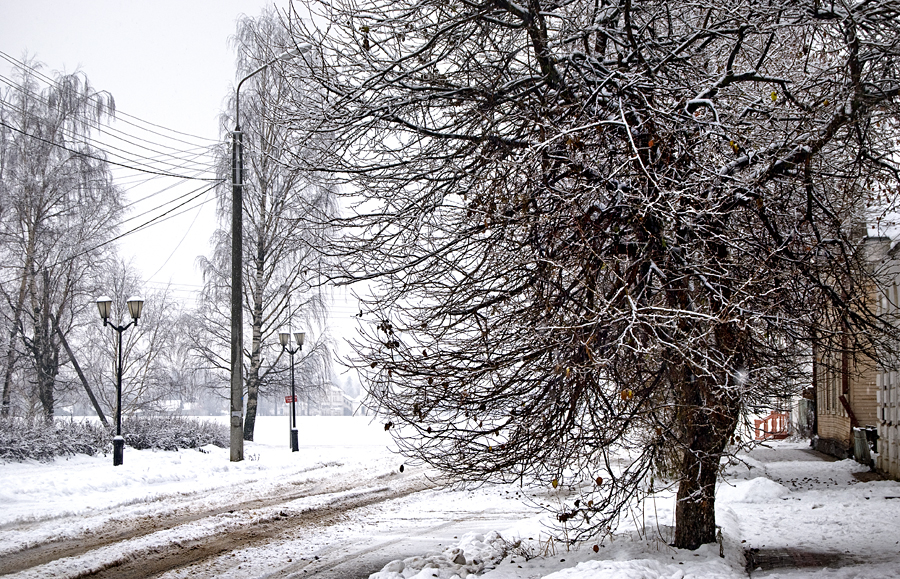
(237, 234)
(135, 305)
(285, 339)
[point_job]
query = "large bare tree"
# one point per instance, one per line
(597, 232)
(58, 207)
(284, 209)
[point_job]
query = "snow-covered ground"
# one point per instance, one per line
(341, 507)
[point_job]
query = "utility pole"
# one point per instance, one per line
(237, 311)
(237, 235)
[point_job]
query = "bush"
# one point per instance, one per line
(37, 439)
(22, 439)
(172, 433)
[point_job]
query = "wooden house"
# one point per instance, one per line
(846, 383)
(887, 379)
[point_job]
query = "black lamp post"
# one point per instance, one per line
(285, 339)
(135, 305)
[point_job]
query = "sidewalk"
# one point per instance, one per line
(785, 510)
(816, 517)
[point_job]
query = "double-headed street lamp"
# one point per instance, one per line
(135, 305)
(285, 339)
(237, 234)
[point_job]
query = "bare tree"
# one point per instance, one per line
(58, 204)
(598, 231)
(149, 349)
(284, 208)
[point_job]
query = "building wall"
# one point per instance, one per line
(888, 378)
(852, 376)
(857, 383)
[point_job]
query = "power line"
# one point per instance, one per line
(155, 174)
(96, 158)
(158, 207)
(147, 161)
(109, 149)
(156, 220)
(106, 127)
(193, 221)
(48, 80)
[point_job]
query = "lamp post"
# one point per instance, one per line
(285, 339)
(135, 305)
(237, 234)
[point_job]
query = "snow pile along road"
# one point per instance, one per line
(794, 511)
(466, 559)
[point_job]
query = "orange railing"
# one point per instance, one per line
(776, 425)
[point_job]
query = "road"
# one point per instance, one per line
(326, 522)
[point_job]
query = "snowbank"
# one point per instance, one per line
(757, 490)
(461, 562)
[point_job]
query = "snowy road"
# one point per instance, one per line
(313, 530)
(129, 544)
(341, 510)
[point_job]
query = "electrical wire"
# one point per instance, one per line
(193, 221)
(152, 146)
(96, 158)
(156, 220)
(118, 152)
(162, 161)
(160, 206)
(49, 80)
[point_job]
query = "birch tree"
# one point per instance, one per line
(58, 206)
(597, 232)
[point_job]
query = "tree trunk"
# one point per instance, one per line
(710, 415)
(14, 331)
(257, 317)
(255, 364)
(11, 350)
(46, 360)
(252, 404)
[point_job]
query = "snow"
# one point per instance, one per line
(80, 484)
(466, 559)
(342, 499)
(758, 490)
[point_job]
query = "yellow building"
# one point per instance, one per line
(847, 382)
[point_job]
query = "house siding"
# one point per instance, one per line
(887, 379)
(850, 375)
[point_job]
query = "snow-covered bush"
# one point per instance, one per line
(172, 433)
(22, 439)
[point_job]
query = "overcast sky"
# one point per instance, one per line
(167, 62)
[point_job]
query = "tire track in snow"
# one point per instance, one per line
(143, 564)
(194, 549)
(297, 570)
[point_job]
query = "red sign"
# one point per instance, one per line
(288, 399)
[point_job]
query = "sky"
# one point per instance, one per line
(166, 62)
(170, 69)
